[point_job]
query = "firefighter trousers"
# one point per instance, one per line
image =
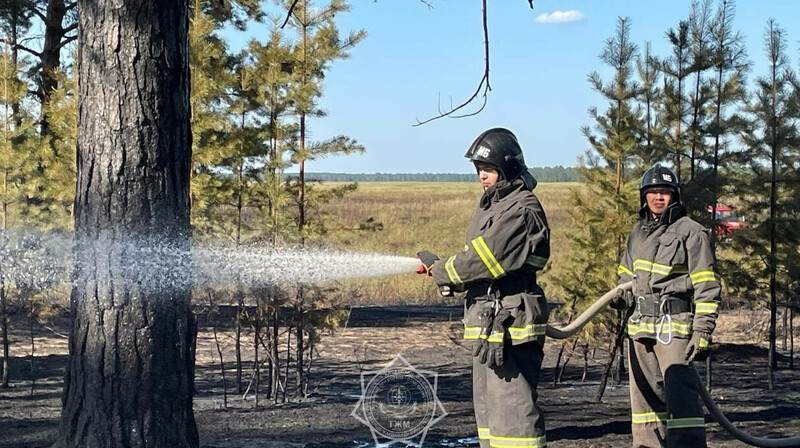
(665, 400)
(505, 399)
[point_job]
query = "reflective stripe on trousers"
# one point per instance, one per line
(493, 390)
(665, 401)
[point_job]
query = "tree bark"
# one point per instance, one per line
(130, 375)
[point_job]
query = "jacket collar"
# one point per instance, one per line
(500, 190)
(674, 212)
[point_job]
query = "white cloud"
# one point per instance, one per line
(573, 15)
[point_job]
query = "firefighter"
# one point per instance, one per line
(675, 299)
(506, 313)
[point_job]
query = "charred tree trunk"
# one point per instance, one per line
(300, 316)
(221, 369)
(256, 364)
(238, 338)
(288, 361)
(267, 345)
(276, 368)
(585, 363)
(791, 338)
(130, 376)
(785, 327)
(566, 361)
(4, 331)
(557, 366)
(618, 339)
(33, 350)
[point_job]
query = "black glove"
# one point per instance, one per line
(699, 346)
(490, 350)
(481, 345)
(623, 300)
(427, 259)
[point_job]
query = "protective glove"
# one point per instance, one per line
(698, 347)
(446, 291)
(622, 300)
(490, 351)
(427, 259)
(481, 345)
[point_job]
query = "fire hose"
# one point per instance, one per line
(576, 325)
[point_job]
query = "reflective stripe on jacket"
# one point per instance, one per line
(508, 235)
(672, 259)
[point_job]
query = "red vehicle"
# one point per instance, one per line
(728, 220)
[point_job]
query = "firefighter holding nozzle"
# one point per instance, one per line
(675, 299)
(506, 312)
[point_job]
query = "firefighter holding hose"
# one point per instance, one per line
(506, 312)
(675, 298)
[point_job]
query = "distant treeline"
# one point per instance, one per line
(542, 174)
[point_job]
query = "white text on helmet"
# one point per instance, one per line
(483, 151)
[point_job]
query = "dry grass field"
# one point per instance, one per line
(422, 216)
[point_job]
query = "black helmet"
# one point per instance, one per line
(659, 176)
(498, 148)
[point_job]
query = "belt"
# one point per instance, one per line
(515, 283)
(656, 306)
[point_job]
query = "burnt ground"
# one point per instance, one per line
(429, 339)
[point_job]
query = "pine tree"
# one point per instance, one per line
(15, 21)
(676, 69)
(319, 45)
(609, 203)
(700, 61)
(773, 148)
(728, 83)
(273, 72)
(18, 143)
(212, 78)
(650, 98)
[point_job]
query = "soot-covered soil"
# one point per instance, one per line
(429, 339)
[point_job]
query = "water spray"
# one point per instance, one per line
(40, 260)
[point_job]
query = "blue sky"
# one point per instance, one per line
(414, 55)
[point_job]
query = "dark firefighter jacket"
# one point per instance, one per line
(507, 242)
(671, 260)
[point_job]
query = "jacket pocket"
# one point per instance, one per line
(670, 250)
(486, 225)
(530, 317)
